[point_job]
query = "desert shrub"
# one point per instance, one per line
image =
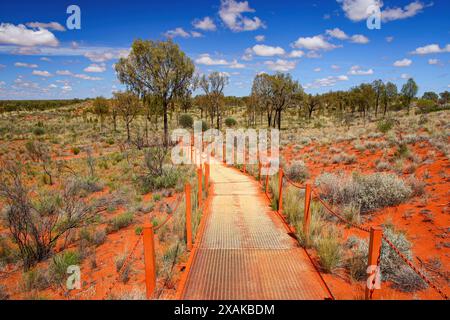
(417, 186)
(88, 185)
(168, 179)
(99, 237)
(391, 265)
(138, 230)
(38, 131)
(385, 125)
(7, 252)
(121, 221)
(37, 221)
(61, 262)
(406, 280)
(369, 192)
(36, 279)
(343, 158)
(134, 294)
(3, 293)
(119, 261)
(186, 121)
(75, 150)
(329, 250)
(230, 122)
(382, 166)
(297, 171)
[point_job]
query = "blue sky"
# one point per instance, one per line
(325, 45)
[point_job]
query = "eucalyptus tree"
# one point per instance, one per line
(389, 94)
(378, 88)
(100, 107)
(157, 68)
(213, 86)
(128, 106)
(409, 92)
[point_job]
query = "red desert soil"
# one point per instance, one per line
(425, 220)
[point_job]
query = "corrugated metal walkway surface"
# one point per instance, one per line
(245, 252)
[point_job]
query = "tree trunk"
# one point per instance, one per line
(128, 131)
(166, 125)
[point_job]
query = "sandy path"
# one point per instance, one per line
(245, 252)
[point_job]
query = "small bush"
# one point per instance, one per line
(38, 131)
(383, 166)
(343, 158)
(369, 192)
(61, 262)
(186, 121)
(75, 150)
(406, 280)
(99, 237)
(121, 221)
(329, 250)
(205, 126)
(385, 125)
(120, 260)
(230, 122)
(36, 279)
(3, 293)
(297, 171)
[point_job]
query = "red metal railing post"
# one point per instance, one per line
(307, 212)
(259, 171)
(373, 281)
(224, 153)
(149, 259)
(280, 191)
(207, 171)
(245, 169)
(267, 183)
(200, 191)
(187, 189)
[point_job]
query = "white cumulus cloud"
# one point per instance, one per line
(206, 59)
(95, 68)
(41, 73)
(314, 43)
(25, 65)
(281, 65)
(22, 36)
(403, 63)
(232, 14)
(267, 51)
(357, 71)
(49, 26)
(205, 24)
(431, 48)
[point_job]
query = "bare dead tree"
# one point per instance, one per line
(37, 222)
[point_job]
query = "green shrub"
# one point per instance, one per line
(329, 250)
(186, 121)
(385, 125)
(36, 279)
(75, 150)
(38, 131)
(61, 262)
(230, 122)
(121, 221)
(138, 230)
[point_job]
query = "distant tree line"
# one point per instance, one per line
(29, 105)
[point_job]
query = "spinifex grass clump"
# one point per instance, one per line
(368, 192)
(393, 268)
